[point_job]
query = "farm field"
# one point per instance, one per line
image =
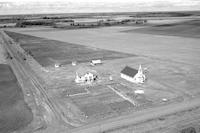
(112, 38)
(15, 113)
(49, 52)
(187, 28)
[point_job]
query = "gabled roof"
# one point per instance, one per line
(131, 72)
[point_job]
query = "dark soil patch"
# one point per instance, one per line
(48, 52)
(14, 112)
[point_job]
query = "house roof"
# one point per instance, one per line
(131, 72)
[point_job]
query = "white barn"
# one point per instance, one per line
(133, 75)
(95, 62)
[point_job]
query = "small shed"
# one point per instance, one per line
(57, 65)
(74, 63)
(95, 62)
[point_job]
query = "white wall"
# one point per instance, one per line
(131, 79)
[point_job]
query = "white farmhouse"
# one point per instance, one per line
(87, 78)
(133, 75)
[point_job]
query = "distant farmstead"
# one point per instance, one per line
(133, 75)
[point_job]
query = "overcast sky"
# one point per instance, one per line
(72, 6)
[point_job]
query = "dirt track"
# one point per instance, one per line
(2, 54)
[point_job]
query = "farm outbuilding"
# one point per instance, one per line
(95, 62)
(57, 65)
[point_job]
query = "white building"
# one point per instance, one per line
(87, 78)
(133, 75)
(57, 65)
(95, 62)
(74, 63)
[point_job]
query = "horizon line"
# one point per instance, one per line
(114, 12)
